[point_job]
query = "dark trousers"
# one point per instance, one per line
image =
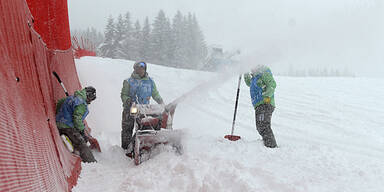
(263, 115)
(79, 144)
(127, 125)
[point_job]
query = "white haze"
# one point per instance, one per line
(343, 34)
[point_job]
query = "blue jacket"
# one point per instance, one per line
(139, 90)
(262, 85)
(71, 111)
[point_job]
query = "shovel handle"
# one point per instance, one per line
(61, 83)
(236, 103)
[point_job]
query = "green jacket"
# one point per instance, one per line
(125, 91)
(266, 82)
(78, 112)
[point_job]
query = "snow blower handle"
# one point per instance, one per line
(61, 83)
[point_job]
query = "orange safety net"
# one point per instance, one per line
(32, 154)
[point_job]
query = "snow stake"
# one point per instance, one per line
(232, 137)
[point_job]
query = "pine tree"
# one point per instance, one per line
(136, 41)
(179, 43)
(198, 48)
(107, 49)
(95, 36)
(145, 43)
(161, 40)
(128, 40)
(120, 37)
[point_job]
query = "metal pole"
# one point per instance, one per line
(237, 101)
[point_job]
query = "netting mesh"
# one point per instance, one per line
(32, 155)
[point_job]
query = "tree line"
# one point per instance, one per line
(179, 43)
(319, 72)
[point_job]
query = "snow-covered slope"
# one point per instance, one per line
(330, 133)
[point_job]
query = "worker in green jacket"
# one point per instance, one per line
(262, 88)
(139, 89)
(70, 114)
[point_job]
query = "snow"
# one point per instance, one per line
(329, 131)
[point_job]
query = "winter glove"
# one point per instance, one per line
(85, 137)
(267, 100)
(128, 103)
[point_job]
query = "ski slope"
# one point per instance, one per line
(330, 133)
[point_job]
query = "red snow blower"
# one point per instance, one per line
(232, 137)
(153, 127)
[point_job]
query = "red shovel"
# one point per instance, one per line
(232, 137)
(94, 144)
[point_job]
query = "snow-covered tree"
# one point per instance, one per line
(145, 47)
(136, 43)
(127, 47)
(197, 46)
(179, 41)
(161, 40)
(107, 48)
(120, 38)
(178, 44)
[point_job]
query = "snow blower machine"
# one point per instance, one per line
(152, 128)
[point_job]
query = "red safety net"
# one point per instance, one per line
(51, 22)
(32, 154)
(82, 47)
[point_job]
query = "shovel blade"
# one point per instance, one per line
(94, 144)
(232, 137)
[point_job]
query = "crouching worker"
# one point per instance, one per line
(70, 114)
(262, 87)
(139, 89)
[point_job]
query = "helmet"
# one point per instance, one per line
(140, 64)
(91, 93)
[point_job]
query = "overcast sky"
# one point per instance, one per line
(302, 33)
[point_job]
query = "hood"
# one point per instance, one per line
(259, 69)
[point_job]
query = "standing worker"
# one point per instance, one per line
(262, 87)
(138, 89)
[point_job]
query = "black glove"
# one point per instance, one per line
(128, 103)
(161, 102)
(85, 137)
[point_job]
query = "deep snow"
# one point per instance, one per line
(329, 131)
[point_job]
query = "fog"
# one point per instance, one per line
(304, 34)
